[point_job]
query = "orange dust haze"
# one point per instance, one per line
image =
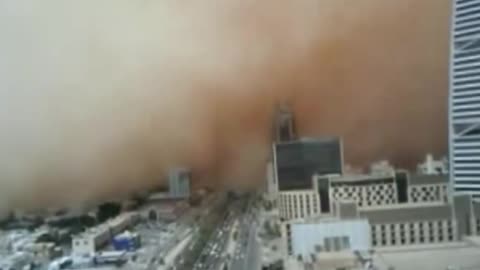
(99, 98)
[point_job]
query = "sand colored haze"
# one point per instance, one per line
(98, 98)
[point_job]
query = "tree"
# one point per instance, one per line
(108, 210)
(152, 215)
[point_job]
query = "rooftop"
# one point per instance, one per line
(323, 139)
(102, 228)
(421, 179)
(407, 213)
(359, 177)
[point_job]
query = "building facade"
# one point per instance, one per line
(310, 238)
(296, 161)
(179, 182)
(87, 243)
(298, 204)
(366, 191)
(464, 100)
(401, 209)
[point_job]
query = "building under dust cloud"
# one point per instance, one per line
(99, 98)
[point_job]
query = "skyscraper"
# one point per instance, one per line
(297, 161)
(464, 100)
(179, 183)
(284, 125)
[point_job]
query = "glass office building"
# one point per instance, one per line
(464, 98)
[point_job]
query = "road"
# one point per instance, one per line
(213, 255)
(247, 252)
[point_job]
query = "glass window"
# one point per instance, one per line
(345, 242)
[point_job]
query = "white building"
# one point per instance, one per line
(87, 243)
(179, 182)
(382, 167)
(271, 185)
(310, 238)
(299, 204)
(464, 98)
(433, 167)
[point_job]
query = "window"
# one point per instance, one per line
(345, 242)
(328, 244)
(337, 243)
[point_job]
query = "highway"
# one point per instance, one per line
(214, 255)
(247, 251)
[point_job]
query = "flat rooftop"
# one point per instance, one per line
(421, 179)
(359, 178)
(407, 213)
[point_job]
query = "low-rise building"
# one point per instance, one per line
(87, 243)
(311, 237)
(382, 167)
(390, 225)
(367, 191)
(433, 167)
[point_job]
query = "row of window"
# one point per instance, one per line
(289, 239)
(367, 195)
(298, 205)
(412, 233)
(428, 193)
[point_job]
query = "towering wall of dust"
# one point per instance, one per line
(100, 97)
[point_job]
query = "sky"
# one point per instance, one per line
(100, 98)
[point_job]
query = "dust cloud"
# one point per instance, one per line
(99, 98)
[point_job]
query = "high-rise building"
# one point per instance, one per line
(297, 161)
(179, 183)
(464, 101)
(284, 125)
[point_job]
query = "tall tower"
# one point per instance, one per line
(464, 98)
(284, 125)
(283, 131)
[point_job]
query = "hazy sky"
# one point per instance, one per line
(100, 97)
